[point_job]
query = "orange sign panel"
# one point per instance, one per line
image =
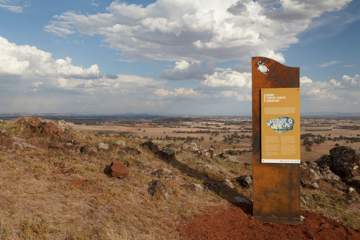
(280, 125)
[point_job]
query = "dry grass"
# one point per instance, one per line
(62, 194)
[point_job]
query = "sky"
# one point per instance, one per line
(173, 57)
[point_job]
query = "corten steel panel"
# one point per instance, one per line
(276, 189)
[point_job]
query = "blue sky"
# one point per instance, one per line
(173, 56)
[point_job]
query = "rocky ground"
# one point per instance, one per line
(58, 182)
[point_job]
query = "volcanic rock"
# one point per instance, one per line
(194, 187)
(21, 143)
(151, 146)
(120, 143)
(157, 189)
(309, 176)
(355, 182)
(103, 146)
(242, 200)
(162, 173)
(87, 149)
(245, 181)
(117, 169)
(167, 153)
(228, 183)
(342, 161)
(37, 127)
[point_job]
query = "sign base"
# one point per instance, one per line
(279, 220)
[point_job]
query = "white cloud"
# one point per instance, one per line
(198, 30)
(351, 81)
(25, 60)
(228, 78)
(186, 70)
(11, 6)
(41, 69)
(345, 91)
(305, 80)
(329, 64)
(177, 92)
(182, 65)
(230, 83)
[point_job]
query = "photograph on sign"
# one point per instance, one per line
(280, 125)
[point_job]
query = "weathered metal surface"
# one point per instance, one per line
(276, 189)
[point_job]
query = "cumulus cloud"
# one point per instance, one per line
(305, 80)
(32, 80)
(350, 81)
(228, 78)
(25, 60)
(198, 30)
(345, 90)
(186, 70)
(38, 69)
(230, 83)
(177, 92)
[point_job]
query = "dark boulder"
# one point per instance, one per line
(342, 161)
(165, 153)
(151, 146)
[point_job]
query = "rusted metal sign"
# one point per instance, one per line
(276, 189)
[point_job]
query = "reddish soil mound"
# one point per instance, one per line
(37, 127)
(233, 224)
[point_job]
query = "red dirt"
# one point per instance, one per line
(233, 224)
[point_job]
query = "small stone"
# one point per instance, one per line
(351, 190)
(103, 146)
(315, 174)
(157, 189)
(120, 143)
(309, 176)
(117, 169)
(303, 200)
(87, 149)
(315, 185)
(302, 218)
(163, 172)
(229, 183)
(195, 187)
(192, 147)
(355, 183)
(22, 144)
(244, 181)
(198, 187)
(167, 153)
(241, 200)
